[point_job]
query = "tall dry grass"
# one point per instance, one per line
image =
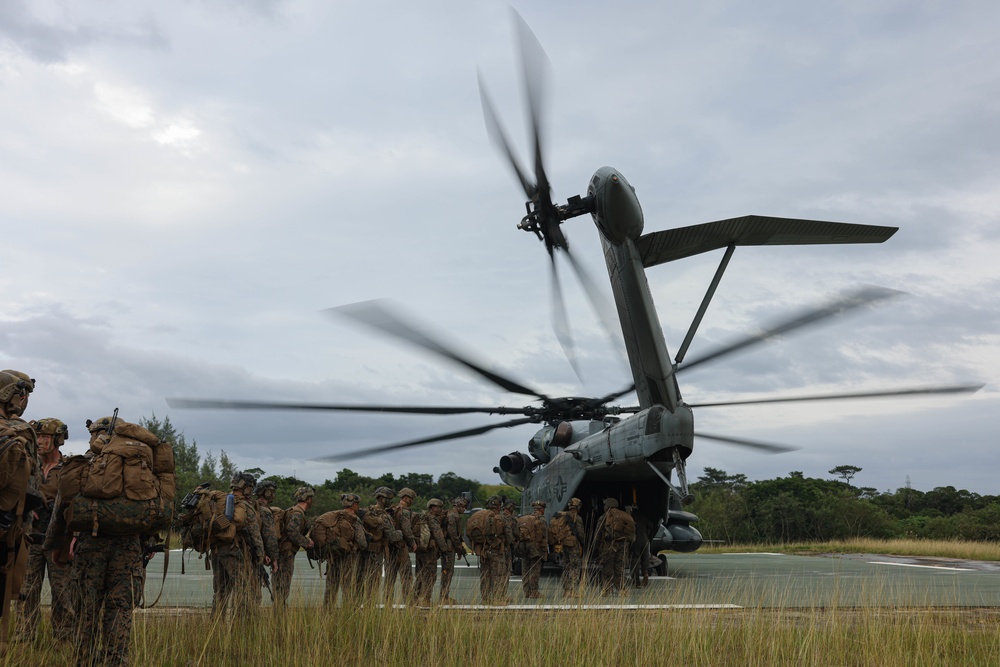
(909, 631)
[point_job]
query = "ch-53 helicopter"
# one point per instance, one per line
(585, 448)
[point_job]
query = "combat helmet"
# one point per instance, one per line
(384, 492)
(263, 486)
(303, 493)
(574, 503)
(407, 492)
(348, 499)
(434, 502)
(610, 503)
(243, 481)
(28, 386)
(52, 426)
(459, 500)
(538, 504)
(494, 503)
(12, 385)
(99, 425)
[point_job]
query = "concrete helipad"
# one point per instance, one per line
(694, 581)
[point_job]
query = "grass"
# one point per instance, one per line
(875, 634)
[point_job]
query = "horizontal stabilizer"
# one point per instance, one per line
(670, 244)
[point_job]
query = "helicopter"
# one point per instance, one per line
(587, 447)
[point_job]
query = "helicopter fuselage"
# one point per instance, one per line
(630, 459)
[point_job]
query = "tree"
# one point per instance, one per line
(847, 472)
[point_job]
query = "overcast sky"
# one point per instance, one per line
(186, 186)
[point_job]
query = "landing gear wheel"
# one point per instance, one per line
(661, 569)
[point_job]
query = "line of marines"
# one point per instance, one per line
(96, 582)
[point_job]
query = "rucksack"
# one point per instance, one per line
(207, 525)
(559, 529)
(421, 531)
(620, 524)
(126, 487)
(333, 534)
(279, 522)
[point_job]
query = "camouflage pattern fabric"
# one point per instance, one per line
(235, 584)
(372, 559)
(614, 542)
(342, 570)
(495, 561)
(572, 556)
(427, 560)
(452, 527)
(267, 532)
(107, 578)
(535, 550)
(398, 562)
(294, 538)
(60, 582)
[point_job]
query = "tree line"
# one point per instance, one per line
(796, 508)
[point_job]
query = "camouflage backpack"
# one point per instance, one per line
(279, 522)
(421, 531)
(533, 539)
(560, 530)
(619, 525)
(333, 534)
(207, 525)
(125, 487)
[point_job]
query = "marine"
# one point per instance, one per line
(342, 564)
(398, 564)
(490, 535)
(452, 527)
(51, 435)
(567, 536)
(379, 533)
(235, 579)
(534, 539)
(427, 557)
(17, 465)
(614, 536)
(295, 536)
(264, 496)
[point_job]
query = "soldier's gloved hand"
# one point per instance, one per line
(310, 545)
(274, 567)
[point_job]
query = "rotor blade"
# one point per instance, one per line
(616, 395)
(560, 323)
(848, 302)
(375, 315)
(220, 404)
(756, 444)
(920, 391)
(497, 135)
(368, 451)
(606, 313)
(535, 65)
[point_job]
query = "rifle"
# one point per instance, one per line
(114, 421)
(150, 550)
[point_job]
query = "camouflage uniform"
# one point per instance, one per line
(494, 555)
(614, 535)
(17, 465)
(235, 582)
(509, 509)
(398, 563)
(109, 576)
(379, 534)
(293, 538)
(534, 547)
(38, 560)
(268, 535)
(342, 568)
(452, 526)
(427, 559)
(572, 550)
